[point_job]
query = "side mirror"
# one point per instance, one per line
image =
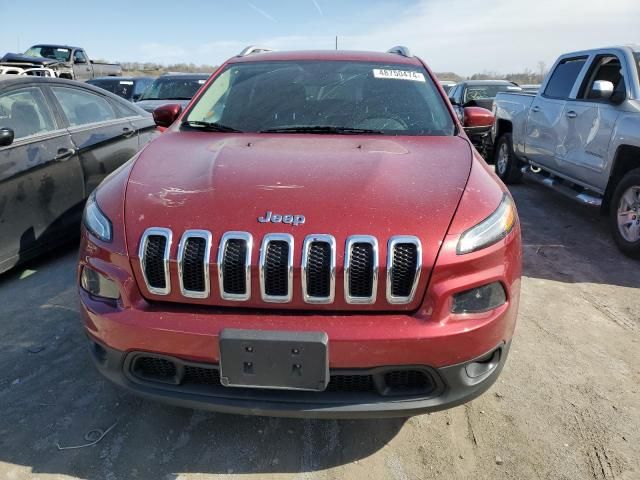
(602, 89)
(165, 115)
(6, 137)
(477, 119)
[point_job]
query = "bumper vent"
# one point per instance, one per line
(403, 268)
(319, 269)
(234, 266)
(276, 268)
(154, 259)
(384, 381)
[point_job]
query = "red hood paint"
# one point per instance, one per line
(343, 185)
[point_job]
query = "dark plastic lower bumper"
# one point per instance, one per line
(454, 385)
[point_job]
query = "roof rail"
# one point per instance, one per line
(400, 50)
(253, 49)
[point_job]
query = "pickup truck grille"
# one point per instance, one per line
(276, 267)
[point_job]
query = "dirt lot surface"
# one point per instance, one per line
(567, 405)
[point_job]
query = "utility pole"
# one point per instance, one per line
(336, 42)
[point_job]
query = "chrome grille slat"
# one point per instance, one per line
(319, 269)
(234, 266)
(404, 262)
(154, 259)
(276, 268)
(194, 252)
(361, 269)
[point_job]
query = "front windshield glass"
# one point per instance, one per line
(122, 88)
(54, 53)
(478, 92)
(329, 96)
(173, 88)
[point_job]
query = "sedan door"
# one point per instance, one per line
(41, 180)
(104, 138)
(546, 124)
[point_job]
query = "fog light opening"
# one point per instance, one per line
(479, 299)
(98, 285)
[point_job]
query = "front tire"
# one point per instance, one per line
(507, 164)
(625, 214)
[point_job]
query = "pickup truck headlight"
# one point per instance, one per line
(95, 221)
(491, 230)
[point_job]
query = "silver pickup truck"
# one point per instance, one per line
(580, 135)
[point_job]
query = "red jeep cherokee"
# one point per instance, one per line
(313, 236)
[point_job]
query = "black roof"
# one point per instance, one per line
(53, 45)
(7, 81)
(488, 82)
(187, 76)
(126, 79)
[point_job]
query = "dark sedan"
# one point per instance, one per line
(172, 88)
(129, 88)
(58, 140)
(479, 93)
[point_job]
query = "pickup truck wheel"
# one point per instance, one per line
(625, 214)
(507, 165)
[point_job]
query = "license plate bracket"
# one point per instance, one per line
(274, 359)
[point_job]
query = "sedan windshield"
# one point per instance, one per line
(322, 97)
(478, 92)
(173, 88)
(54, 53)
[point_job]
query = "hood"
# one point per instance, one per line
(343, 185)
(19, 58)
(151, 105)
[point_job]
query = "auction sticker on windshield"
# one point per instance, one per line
(398, 74)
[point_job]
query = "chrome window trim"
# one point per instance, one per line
(208, 238)
(353, 239)
(320, 238)
(281, 237)
(162, 232)
(247, 265)
(393, 241)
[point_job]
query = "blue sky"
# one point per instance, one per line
(464, 36)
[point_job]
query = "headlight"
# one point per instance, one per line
(95, 221)
(491, 230)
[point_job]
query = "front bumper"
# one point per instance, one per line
(453, 386)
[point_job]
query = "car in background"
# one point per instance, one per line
(580, 136)
(175, 88)
(64, 61)
(58, 140)
(447, 85)
(479, 93)
(129, 88)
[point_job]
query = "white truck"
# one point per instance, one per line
(580, 135)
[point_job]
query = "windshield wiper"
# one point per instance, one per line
(323, 129)
(209, 126)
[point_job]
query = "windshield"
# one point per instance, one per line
(122, 88)
(173, 88)
(54, 53)
(478, 92)
(324, 96)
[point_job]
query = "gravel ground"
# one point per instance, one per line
(567, 405)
